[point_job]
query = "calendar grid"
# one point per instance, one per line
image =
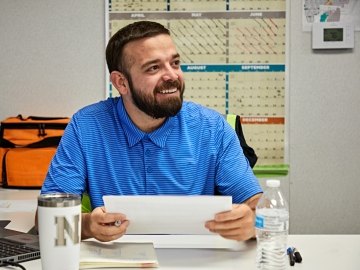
(233, 57)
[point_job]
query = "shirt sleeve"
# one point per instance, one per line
(67, 171)
(234, 176)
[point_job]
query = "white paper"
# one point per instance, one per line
(20, 221)
(168, 214)
(18, 205)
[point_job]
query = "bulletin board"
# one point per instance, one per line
(233, 55)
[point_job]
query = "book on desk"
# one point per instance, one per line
(94, 254)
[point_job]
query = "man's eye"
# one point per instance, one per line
(153, 68)
(176, 63)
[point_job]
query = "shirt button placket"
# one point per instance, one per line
(148, 154)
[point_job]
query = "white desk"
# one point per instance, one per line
(318, 251)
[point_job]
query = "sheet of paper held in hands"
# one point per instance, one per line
(168, 214)
(94, 254)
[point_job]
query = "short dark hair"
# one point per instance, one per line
(131, 32)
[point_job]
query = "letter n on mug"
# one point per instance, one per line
(72, 229)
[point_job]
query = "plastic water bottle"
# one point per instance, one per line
(272, 226)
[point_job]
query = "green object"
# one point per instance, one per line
(85, 204)
(231, 119)
(323, 17)
(264, 171)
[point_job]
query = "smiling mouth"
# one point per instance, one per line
(168, 91)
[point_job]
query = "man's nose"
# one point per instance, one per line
(170, 74)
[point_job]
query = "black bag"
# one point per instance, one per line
(248, 151)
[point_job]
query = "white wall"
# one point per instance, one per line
(52, 63)
(324, 135)
(51, 56)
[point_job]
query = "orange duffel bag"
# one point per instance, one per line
(27, 146)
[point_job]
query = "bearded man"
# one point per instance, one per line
(149, 141)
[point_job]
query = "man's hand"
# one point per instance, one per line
(237, 224)
(103, 226)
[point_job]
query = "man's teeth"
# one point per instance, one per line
(168, 91)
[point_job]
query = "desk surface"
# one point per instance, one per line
(318, 251)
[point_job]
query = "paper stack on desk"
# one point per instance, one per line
(95, 254)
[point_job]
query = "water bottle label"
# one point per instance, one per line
(259, 222)
(272, 223)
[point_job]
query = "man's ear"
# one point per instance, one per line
(119, 81)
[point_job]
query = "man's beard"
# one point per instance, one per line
(149, 105)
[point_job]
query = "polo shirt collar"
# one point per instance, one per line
(134, 135)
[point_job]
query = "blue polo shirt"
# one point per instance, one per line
(195, 152)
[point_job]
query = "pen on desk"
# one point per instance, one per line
(291, 256)
(297, 256)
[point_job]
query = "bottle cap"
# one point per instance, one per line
(273, 183)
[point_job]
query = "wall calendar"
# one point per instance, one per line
(233, 55)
